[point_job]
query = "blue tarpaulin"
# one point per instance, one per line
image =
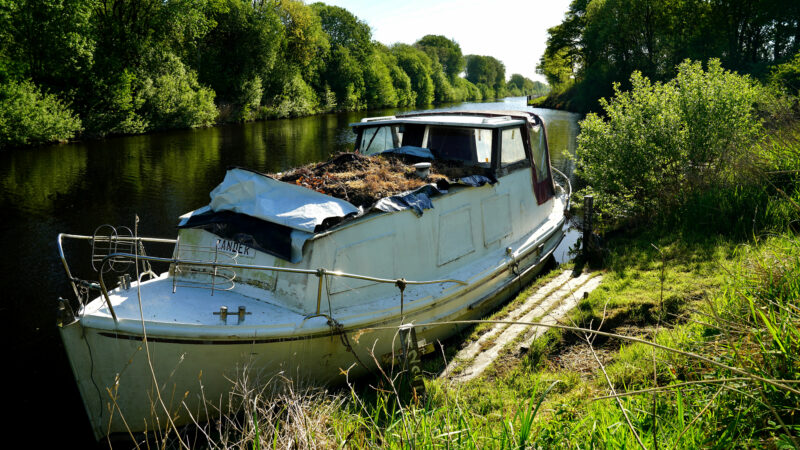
(420, 199)
(419, 152)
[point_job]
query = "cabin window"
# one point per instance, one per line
(378, 139)
(464, 144)
(452, 143)
(484, 145)
(412, 134)
(539, 150)
(513, 148)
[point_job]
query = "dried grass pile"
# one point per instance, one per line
(359, 179)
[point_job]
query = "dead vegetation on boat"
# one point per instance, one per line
(362, 180)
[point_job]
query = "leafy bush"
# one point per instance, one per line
(466, 90)
(174, 99)
(787, 76)
(417, 65)
(660, 145)
(115, 105)
(29, 116)
(297, 99)
(378, 88)
(443, 91)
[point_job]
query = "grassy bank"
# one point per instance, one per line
(722, 311)
(690, 341)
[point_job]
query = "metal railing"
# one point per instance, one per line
(568, 189)
(321, 273)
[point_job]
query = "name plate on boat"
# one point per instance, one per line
(228, 246)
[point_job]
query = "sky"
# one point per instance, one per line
(513, 31)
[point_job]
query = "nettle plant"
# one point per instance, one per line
(660, 144)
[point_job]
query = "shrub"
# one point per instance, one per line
(174, 99)
(115, 109)
(786, 76)
(297, 99)
(662, 144)
(466, 90)
(29, 116)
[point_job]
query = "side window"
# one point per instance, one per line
(412, 134)
(484, 144)
(452, 143)
(513, 148)
(538, 148)
(377, 139)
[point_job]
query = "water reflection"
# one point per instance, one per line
(76, 187)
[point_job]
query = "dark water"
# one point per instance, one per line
(76, 187)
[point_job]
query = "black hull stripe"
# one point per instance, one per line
(132, 337)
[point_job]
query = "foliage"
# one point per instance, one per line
(662, 144)
(128, 67)
(518, 85)
(600, 43)
(173, 98)
(406, 96)
(297, 99)
(487, 71)
(417, 65)
(240, 49)
(114, 108)
(465, 90)
(445, 51)
(29, 116)
(379, 89)
(786, 76)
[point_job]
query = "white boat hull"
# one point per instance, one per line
(313, 303)
(115, 370)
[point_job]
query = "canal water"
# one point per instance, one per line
(76, 187)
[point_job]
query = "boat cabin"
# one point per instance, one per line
(493, 144)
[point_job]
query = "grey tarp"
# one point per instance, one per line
(265, 198)
(293, 213)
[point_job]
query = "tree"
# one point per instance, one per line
(344, 29)
(304, 46)
(602, 42)
(238, 54)
(379, 89)
(416, 64)
(446, 51)
(488, 71)
(401, 82)
(350, 62)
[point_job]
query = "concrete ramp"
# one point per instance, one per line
(547, 305)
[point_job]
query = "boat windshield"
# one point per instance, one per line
(472, 146)
(375, 140)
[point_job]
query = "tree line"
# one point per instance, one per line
(602, 42)
(98, 67)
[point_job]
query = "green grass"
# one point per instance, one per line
(737, 303)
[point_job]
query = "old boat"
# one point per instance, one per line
(275, 278)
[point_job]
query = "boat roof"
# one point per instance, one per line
(476, 119)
